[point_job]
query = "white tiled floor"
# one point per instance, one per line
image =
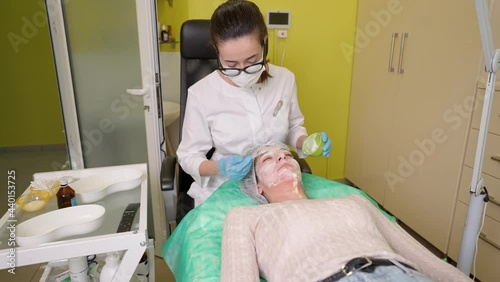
(26, 162)
(33, 273)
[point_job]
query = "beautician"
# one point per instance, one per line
(247, 101)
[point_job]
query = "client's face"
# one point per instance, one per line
(277, 171)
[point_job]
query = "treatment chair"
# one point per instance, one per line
(198, 59)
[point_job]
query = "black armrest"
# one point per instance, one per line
(304, 167)
(167, 173)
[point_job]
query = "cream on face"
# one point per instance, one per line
(275, 165)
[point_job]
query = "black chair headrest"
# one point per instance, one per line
(195, 40)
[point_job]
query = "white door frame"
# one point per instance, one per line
(148, 43)
(65, 81)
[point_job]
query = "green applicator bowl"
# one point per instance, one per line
(313, 145)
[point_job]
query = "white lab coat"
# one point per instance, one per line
(232, 119)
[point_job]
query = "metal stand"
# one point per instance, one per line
(478, 193)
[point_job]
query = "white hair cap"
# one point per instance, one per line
(248, 185)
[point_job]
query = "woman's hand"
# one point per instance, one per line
(234, 167)
(327, 144)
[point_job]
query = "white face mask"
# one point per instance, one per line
(245, 80)
(275, 165)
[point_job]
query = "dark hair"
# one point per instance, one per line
(236, 18)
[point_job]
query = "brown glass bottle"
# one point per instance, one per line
(169, 32)
(66, 196)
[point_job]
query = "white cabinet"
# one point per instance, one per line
(373, 92)
(103, 240)
(408, 128)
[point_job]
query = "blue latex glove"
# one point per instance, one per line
(327, 144)
(234, 167)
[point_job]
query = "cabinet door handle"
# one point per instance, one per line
(495, 158)
(483, 236)
(391, 55)
(404, 35)
(493, 200)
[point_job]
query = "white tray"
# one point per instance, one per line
(95, 187)
(58, 224)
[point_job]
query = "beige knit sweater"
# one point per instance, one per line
(308, 240)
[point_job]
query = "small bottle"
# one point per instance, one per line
(66, 196)
(78, 269)
(108, 271)
(164, 34)
(169, 33)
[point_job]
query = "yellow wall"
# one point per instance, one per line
(174, 16)
(323, 73)
(31, 113)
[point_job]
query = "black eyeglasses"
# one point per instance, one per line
(232, 72)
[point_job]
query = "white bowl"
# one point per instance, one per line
(58, 224)
(95, 187)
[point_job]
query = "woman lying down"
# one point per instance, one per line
(296, 239)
